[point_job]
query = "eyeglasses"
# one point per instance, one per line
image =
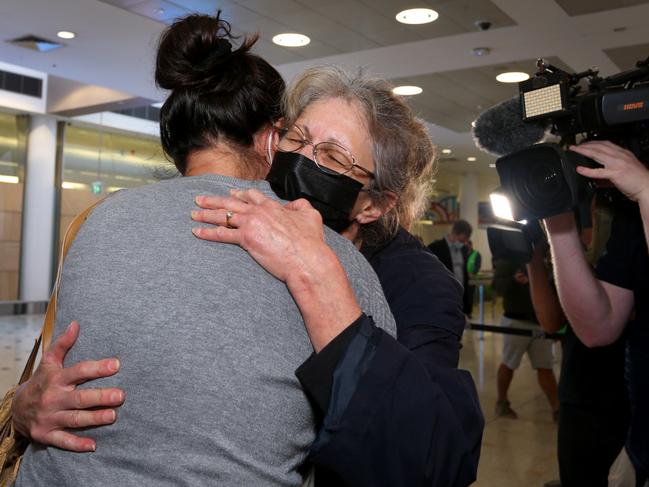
(330, 157)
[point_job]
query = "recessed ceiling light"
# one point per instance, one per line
(471, 159)
(446, 151)
(417, 16)
(481, 51)
(291, 39)
(492, 166)
(407, 90)
(512, 77)
(66, 34)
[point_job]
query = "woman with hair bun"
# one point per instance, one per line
(207, 341)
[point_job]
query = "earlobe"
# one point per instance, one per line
(371, 211)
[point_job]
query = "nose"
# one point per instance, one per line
(307, 149)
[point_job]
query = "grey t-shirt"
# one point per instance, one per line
(208, 342)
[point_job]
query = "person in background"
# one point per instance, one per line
(512, 282)
(473, 265)
(452, 252)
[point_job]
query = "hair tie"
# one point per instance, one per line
(222, 51)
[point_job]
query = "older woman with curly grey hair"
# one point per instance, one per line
(357, 153)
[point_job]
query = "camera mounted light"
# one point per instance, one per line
(542, 96)
(500, 205)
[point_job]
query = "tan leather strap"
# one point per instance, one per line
(50, 314)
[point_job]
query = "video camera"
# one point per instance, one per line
(540, 180)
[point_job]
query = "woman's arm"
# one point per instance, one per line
(49, 403)
(287, 241)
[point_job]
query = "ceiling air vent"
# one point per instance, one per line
(18, 83)
(35, 43)
(148, 112)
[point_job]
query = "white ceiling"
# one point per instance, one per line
(116, 40)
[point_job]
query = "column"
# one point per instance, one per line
(469, 197)
(38, 210)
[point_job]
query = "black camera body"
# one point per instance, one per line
(541, 180)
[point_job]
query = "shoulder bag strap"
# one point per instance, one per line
(48, 325)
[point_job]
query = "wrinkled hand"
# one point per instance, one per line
(621, 167)
(283, 239)
(49, 401)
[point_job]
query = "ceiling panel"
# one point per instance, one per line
(271, 8)
(335, 27)
(626, 57)
(123, 3)
(454, 99)
(159, 10)
(581, 7)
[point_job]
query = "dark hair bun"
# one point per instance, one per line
(194, 51)
(217, 94)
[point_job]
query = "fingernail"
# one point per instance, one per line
(196, 231)
(195, 214)
(113, 365)
(198, 200)
(93, 447)
(110, 416)
(116, 397)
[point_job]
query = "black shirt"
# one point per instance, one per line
(626, 264)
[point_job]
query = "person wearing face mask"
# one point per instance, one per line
(433, 436)
(355, 152)
(454, 254)
(207, 341)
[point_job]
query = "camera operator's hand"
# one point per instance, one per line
(621, 167)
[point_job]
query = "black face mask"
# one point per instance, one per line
(294, 176)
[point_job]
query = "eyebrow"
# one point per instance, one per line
(307, 133)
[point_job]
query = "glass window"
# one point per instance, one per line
(98, 162)
(12, 172)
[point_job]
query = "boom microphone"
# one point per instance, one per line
(500, 130)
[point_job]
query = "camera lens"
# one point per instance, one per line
(536, 180)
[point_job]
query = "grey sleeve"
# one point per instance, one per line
(364, 282)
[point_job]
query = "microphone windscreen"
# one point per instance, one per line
(500, 130)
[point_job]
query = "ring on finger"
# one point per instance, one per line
(228, 218)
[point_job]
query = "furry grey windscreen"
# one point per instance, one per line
(500, 130)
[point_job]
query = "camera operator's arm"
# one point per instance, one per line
(598, 311)
(544, 299)
(623, 169)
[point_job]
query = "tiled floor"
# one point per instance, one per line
(515, 453)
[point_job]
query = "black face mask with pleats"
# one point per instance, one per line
(293, 176)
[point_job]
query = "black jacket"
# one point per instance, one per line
(398, 412)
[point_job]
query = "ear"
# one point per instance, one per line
(371, 211)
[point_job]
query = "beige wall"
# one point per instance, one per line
(11, 197)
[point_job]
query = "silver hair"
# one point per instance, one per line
(403, 152)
